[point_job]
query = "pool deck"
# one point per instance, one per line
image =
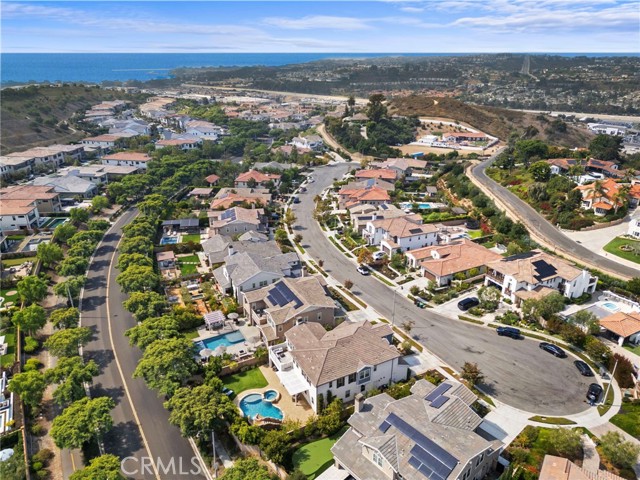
(247, 331)
(300, 411)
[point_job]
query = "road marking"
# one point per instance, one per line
(73, 462)
(115, 356)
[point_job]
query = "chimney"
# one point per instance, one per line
(230, 250)
(359, 404)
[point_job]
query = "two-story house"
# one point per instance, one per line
(127, 159)
(403, 166)
(21, 214)
(277, 308)
(353, 358)
(184, 144)
(236, 220)
(229, 197)
(536, 274)
(46, 199)
(431, 434)
(602, 196)
(634, 228)
(312, 142)
(380, 173)
(254, 178)
(350, 197)
(104, 142)
(400, 234)
(360, 215)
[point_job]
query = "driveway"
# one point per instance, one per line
(517, 372)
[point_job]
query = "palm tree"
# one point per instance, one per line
(621, 197)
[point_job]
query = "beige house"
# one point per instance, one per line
(279, 307)
(230, 197)
(46, 199)
(236, 220)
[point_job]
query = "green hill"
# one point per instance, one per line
(498, 122)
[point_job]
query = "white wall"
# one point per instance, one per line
(14, 222)
(253, 283)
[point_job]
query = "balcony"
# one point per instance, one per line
(258, 316)
(496, 277)
(280, 356)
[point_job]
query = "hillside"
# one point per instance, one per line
(32, 116)
(498, 122)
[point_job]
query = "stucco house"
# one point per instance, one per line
(236, 220)
(623, 327)
(400, 234)
(127, 159)
(253, 178)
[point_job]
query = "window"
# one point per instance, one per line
(352, 377)
(364, 375)
(375, 368)
(340, 382)
(377, 459)
(362, 387)
(347, 394)
(331, 384)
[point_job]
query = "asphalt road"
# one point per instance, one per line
(141, 427)
(517, 372)
(538, 225)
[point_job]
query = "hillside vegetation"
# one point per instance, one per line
(36, 115)
(498, 122)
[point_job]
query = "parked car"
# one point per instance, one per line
(594, 393)
(553, 349)
(509, 332)
(584, 369)
(340, 231)
(296, 200)
(363, 270)
(467, 303)
(379, 255)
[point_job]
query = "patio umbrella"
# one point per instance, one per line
(233, 316)
(220, 350)
(6, 454)
(206, 352)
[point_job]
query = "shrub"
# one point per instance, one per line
(30, 345)
(43, 456)
(476, 311)
(405, 347)
(32, 364)
(37, 466)
(37, 429)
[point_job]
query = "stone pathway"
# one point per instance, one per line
(591, 458)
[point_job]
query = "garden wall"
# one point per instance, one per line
(599, 226)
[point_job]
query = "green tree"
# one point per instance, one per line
(79, 215)
(281, 235)
(83, 248)
(152, 329)
(489, 298)
(275, 445)
(330, 420)
(471, 373)
(30, 319)
(153, 205)
(246, 468)
(31, 290)
(633, 285)
(71, 373)
(565, 442)
(65, 317)
(365, 256)
(540, 171)
(141, 245)
(104, 467)
(289, 218)
(49, 253)
(376, 110)
(144, 305)
(13, 467)
(525, 150)
(605, 147)
(99, 203)
(125, 260)
(99, 224)
(64, 232)
(72, 266)
(81, 421)
(587, 320)
(70, 287)
(29, 386)
(137, 279)
(167, 364)
(246, 433)
(84, 235)
(597, 350)
(200, 409)
(65, 343)
(142, 227)
(622, 454)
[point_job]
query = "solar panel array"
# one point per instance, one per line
(439, 390)
(440, 401)
(415, 230)
(427, 457)
(544, 269)
(228, 214)
(282, 295)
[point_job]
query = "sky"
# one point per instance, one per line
(391, 26)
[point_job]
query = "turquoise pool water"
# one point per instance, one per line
(421, 205)
(168, 240)
(270, 395)
(611, 306)
(253, 404)
(222, 340)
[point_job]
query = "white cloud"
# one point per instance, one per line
(312, 22)
(412, 9)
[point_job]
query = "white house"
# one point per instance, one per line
(127, 159)
(536, 274)
(400, 234)
(634, 228)
(202, 129)
(313, 142)
(19, 214)
(350, 359)
(184, 144)
(103, 141)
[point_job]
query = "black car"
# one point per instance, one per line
(594, 392)
(583, 368)
(467, 303)
(508, 332)
(553, 349)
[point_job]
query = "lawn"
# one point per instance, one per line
(614, 247)
(12, 262)
(9, 298)
(9, 338)
(191, 334)
(193, 237)
(188, 265)
(628, 419)
(315, 457)
(239, 382)
(475, 233)
(635, 349)
(608, 402)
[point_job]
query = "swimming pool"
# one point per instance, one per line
(222, 340)
(168, 240)
(612, 307)
(253, 404)
(421, 205)
(270, 395)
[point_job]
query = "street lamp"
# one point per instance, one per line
(613, 372)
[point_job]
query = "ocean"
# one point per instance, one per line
(99, 67)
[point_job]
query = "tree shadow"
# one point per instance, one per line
(123, 440)
(102, 358)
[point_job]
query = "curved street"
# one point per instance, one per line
(542, 230)
(517, 372)
(141, 424)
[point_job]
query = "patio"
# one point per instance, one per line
(241, 350)
(292, 410)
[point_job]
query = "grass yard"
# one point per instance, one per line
(192, 237)
(10, 339)
(190, 334)
(475, 234)
(9, 298)
(635, 349)
(608, 402)
(552, 420)
(315, 457)
(628, 419)
(12, 262)
(188, 265)
(239, 382)
(614, 247)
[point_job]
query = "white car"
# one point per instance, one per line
(363, 270)
(379, 255)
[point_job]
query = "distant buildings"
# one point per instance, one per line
(312, 142)
(127, 159)
(430, 435)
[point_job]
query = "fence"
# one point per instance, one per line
(598, 226)
(254, 451)
(241, 365)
